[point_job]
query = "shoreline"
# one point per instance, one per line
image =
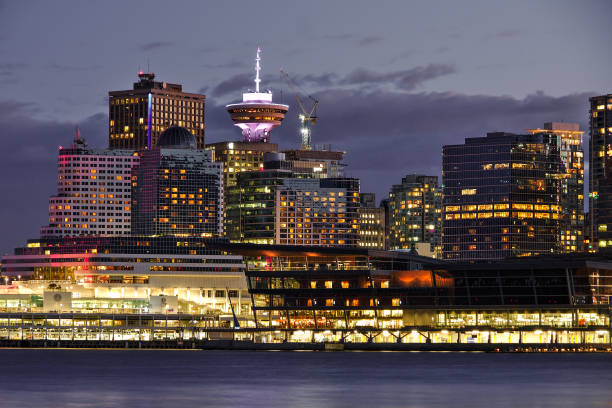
(240, 345)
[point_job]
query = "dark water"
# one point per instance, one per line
(155, 378)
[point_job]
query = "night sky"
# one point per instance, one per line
(395, 80)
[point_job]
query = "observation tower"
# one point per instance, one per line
(257, 115)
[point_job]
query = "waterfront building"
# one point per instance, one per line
(415, 213)
(360, 295)
(502, 196)
(600, 176)
(177, 189)
(139, 115)
(126, 275)
(274, 205)
(569, 143)
(371, 222)
(93, 192)
(142, 289)
(257, 115)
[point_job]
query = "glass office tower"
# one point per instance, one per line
(177, 189)
(502, 196)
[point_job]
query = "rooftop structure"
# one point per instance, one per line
(257, 115)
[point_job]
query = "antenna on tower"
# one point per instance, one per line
(257, 69)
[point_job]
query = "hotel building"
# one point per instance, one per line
(502, 196)
(93, 192)
(177, 189)
(371, 222)
(569, 143)
(415, 214)
(600, 167)
(138, 116)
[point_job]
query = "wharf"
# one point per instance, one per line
(245, 345)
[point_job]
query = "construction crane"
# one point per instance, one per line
(307, 117)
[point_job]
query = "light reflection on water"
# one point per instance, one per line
(153, 378)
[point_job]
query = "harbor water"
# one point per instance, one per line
(189, 378)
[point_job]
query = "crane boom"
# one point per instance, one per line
(307, 117)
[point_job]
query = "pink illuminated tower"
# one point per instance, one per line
(257, 115)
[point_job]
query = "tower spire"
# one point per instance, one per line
(257, 69)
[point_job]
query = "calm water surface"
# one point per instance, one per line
(156, 378)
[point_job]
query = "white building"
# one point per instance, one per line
(93, 192)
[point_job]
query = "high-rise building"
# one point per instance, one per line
(257, 115)
(371, 222)
(569, 143)
(600, 170)
(415, 213)
(238, 157)
(502, 196)
(177, 189)
(274, 206)
(138, 116)
(93, 192)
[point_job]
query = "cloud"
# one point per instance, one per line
(9, 71)
(154, 45)
(70, 68)
(369, 40)
(234, 84)
(359, 40)
(405, 79)
(235, 63)
(389, 134)
(511, 32)
(339, 37)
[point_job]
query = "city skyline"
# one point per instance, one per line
(415, 89)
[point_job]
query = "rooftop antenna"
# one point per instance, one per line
(257, 69)
(148, 68)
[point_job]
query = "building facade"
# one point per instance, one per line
(371, 223)
(600, 168)
(93, 192)
(237, 157)
(130, 275)
(275, 206)
(502, 196)
(177, 189)
(139, 115)
(415, 211)
(569, 143)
